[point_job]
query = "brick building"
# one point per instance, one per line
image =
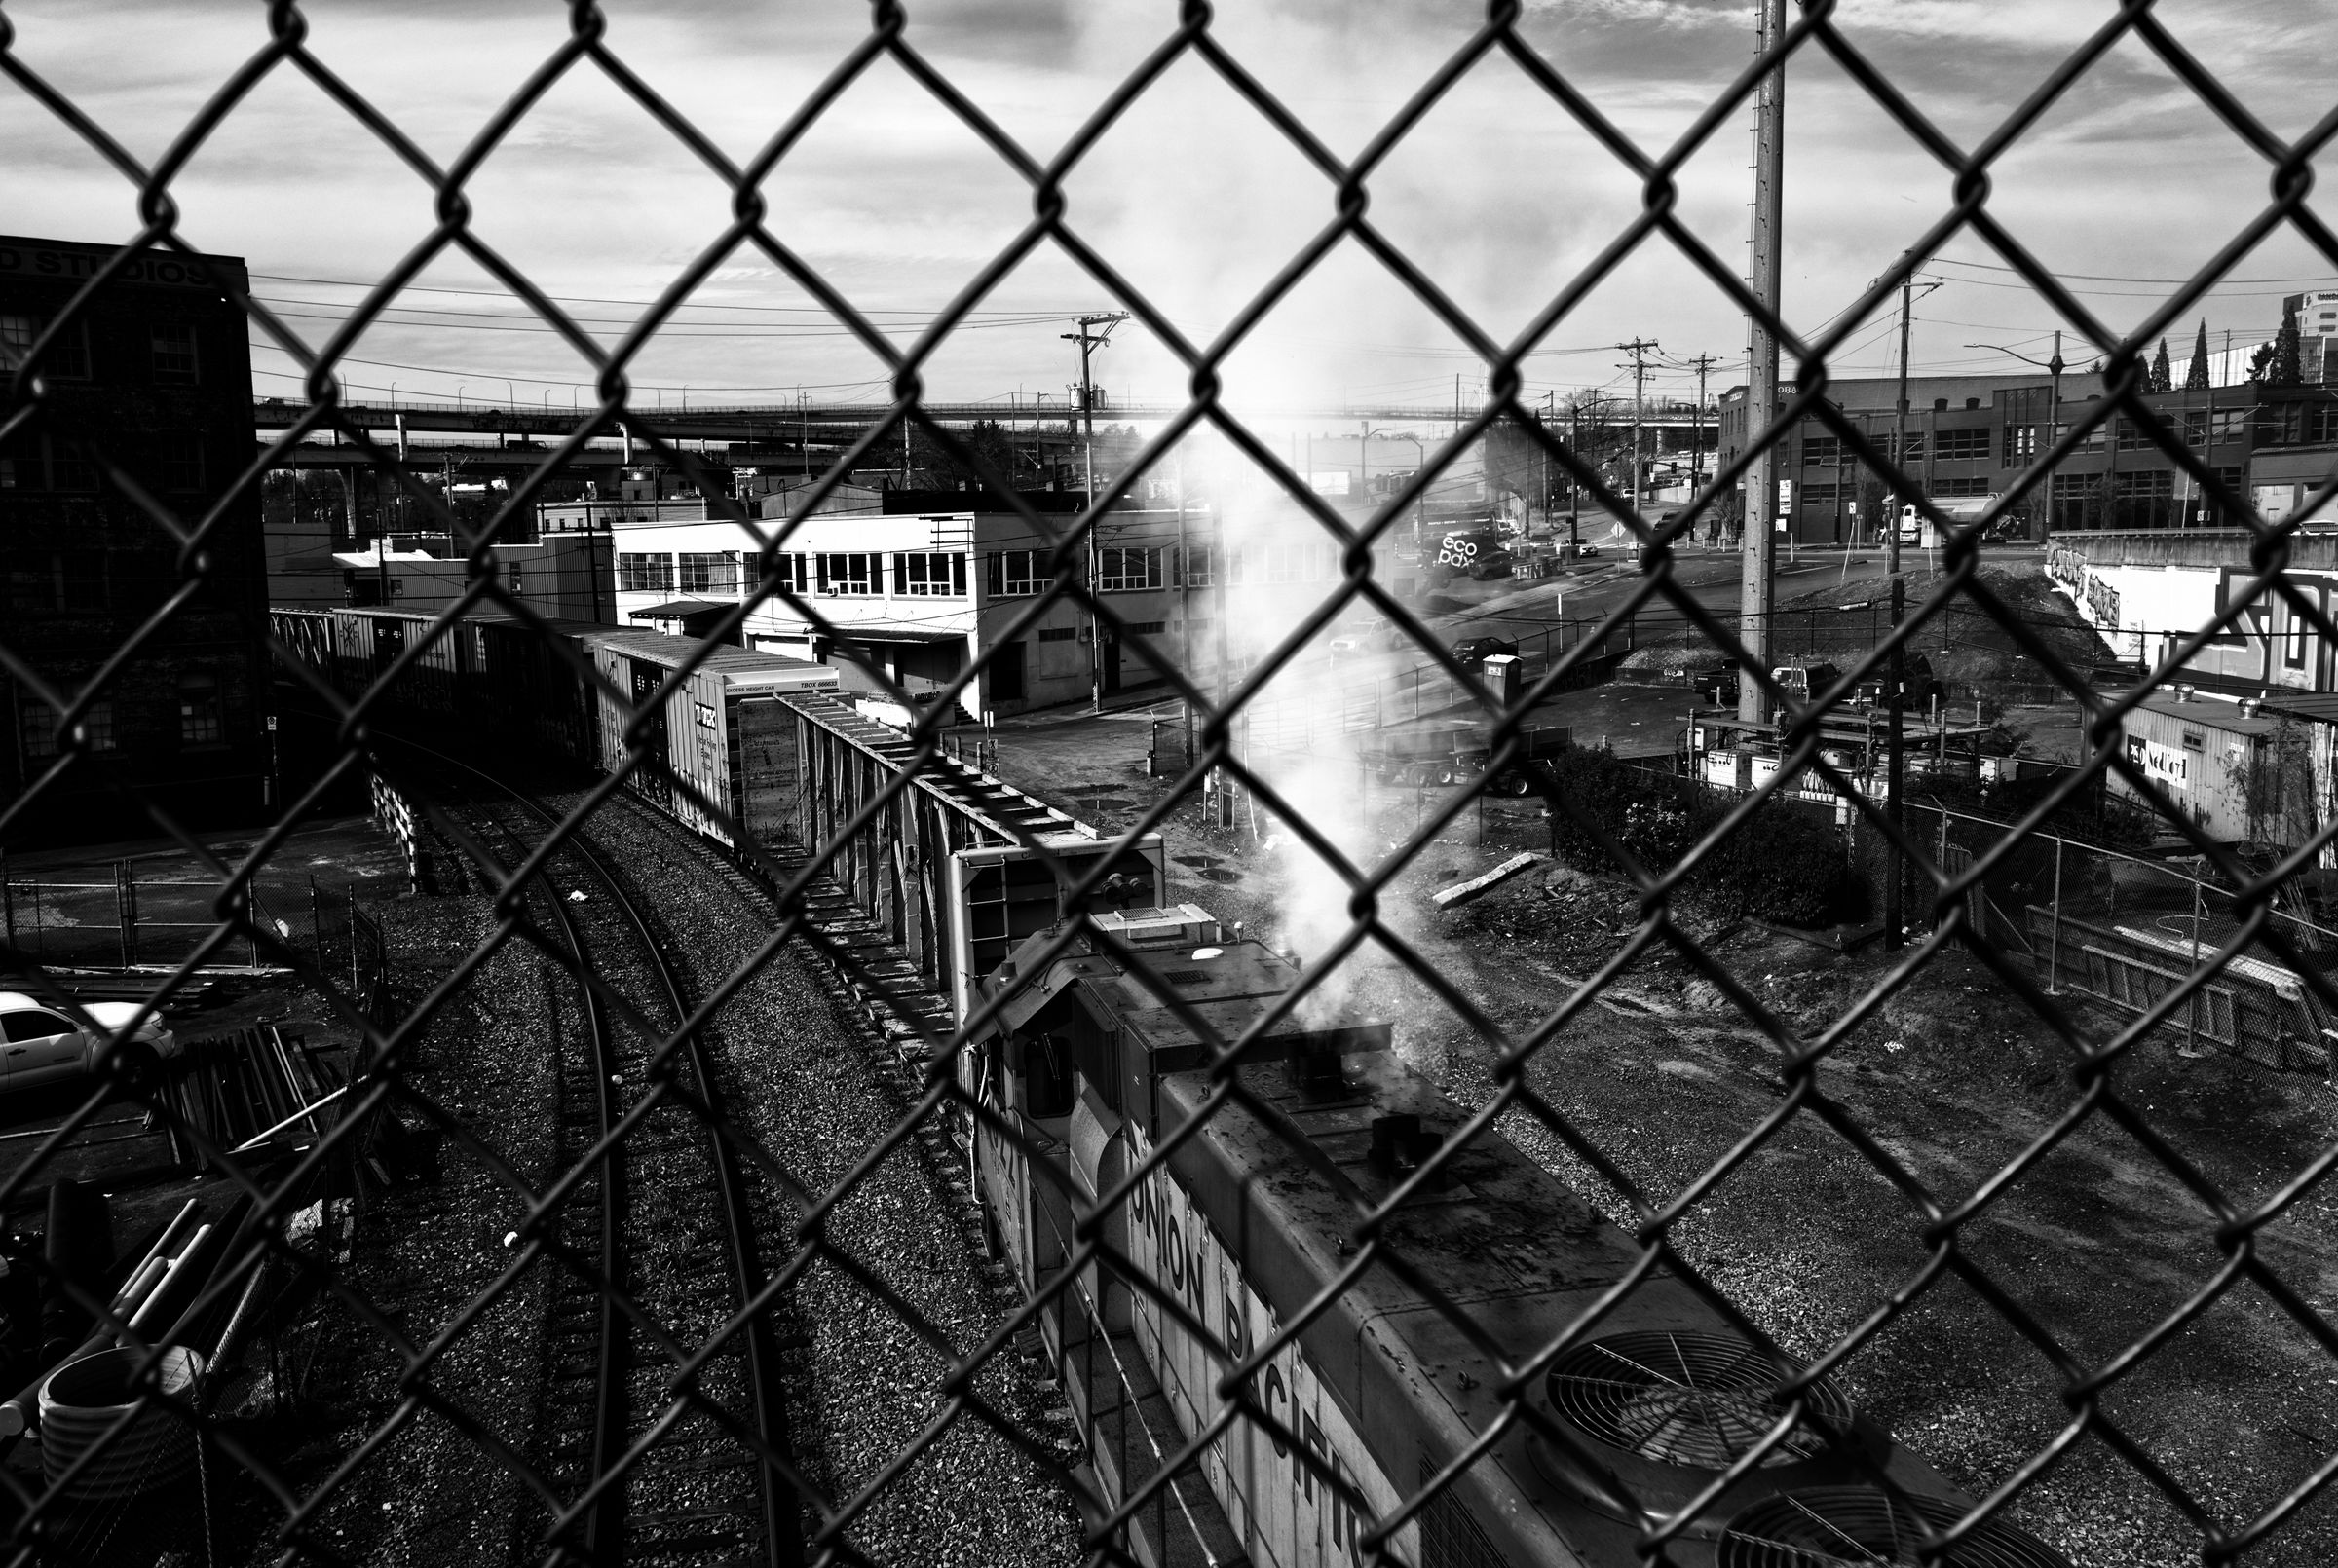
(1970, 437)
(148, 386)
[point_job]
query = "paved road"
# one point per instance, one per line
(1524, 612)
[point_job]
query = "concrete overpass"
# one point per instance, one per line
(825, 422)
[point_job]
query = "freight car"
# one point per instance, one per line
(1247, 1224)
(720, 751)
(718, 747)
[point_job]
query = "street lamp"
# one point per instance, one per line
(2054, 414)
(394, 394)
(2055, 365)
(461, 387)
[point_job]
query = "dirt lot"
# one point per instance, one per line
(1952, 1077)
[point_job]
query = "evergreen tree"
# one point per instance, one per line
(2261, 360)
(2285, 371)
(2196, 379)
(2161, 379)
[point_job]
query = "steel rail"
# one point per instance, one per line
(603, 1530)
(782, 1526)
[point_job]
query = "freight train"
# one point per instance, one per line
(717, 753)
(1250, 1222)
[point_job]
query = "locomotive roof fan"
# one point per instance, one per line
(1836, 1526)
(1665, 1412)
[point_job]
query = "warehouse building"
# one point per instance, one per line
(148, 386)
(1969, 438)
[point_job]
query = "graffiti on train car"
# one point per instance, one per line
(1284, 1512)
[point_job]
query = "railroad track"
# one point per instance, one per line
(658, 1206)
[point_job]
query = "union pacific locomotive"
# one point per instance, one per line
(1248, 1223)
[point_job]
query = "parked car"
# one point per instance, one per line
(40, 1045)
(1714, 683)
(1476, 650)
(1802, 681)
(1920, 688)
(1587, 553)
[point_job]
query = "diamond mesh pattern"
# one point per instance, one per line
(398, 1387)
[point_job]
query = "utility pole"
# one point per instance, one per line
(1702, 363)
(1638, 349)
(1574, 486)
(1089, 340)
(1895, 770)
(1758, 581)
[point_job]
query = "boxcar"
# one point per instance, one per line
(438, 688)
(720, 749)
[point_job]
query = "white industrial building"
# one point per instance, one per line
(921, 593)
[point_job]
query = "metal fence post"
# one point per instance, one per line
(123, 919)
(2054, 938)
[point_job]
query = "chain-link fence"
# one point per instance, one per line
(828, 1140)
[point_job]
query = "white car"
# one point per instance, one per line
(40, 1045)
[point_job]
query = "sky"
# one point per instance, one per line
(1498, 195)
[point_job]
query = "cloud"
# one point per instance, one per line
(1497, 195)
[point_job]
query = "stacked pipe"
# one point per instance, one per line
(247, 1088)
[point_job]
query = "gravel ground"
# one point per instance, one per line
(422, 1253)
(2097, 1239)
(798, 1064)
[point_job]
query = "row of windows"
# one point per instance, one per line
(1007, 573)
(201, 720)
(171, 347)
(1024, 573)
(918, 573)
(172, 462)
(1948, 446)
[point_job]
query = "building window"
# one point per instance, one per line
(1200, 567)
(68, 358)
(1013, 574)
(792, 573)
(1146, 628)
(70, 468)
(857, 575)
(1059, 634)
(2295, 653)
(514, 573)
(710, 571)
(1127, 571)
(1819, 494)
(2144, 498)
(1957, 488)
(200, 723)
(1285, 563)
(178, 461)
(1951, 446)
(645, 573)
(2022, 444)
(931, 574)
(174, 355)
(1822, 450)
(2093, 442)
(40, 728)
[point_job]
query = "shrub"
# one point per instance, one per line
(1781, 864)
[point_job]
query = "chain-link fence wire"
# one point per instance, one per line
(1940, 1218)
